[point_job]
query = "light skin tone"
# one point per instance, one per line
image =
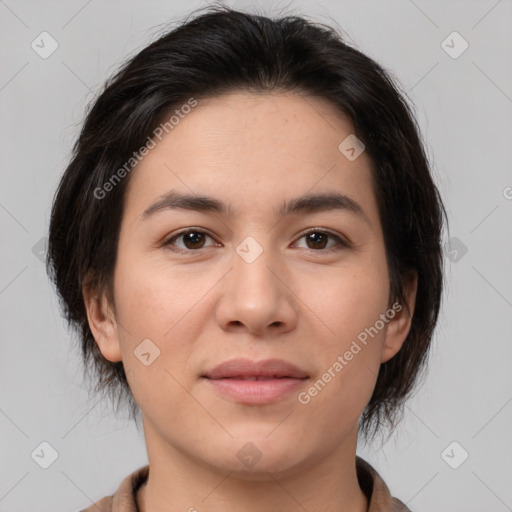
(303, 300)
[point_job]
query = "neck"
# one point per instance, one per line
(177, 482)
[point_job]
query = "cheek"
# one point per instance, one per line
(346, 302)
(150, 299)
(154, 317)
(343, 387)
(349, 307)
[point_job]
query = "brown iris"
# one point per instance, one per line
(193, 239)
(319, 240)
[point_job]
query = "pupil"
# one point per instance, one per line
(193, 238)
(314, 237)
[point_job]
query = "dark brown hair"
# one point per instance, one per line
(224, 50)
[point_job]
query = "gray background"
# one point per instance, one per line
(464, 108)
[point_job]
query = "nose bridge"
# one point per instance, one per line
(252, 270)
(254, 295)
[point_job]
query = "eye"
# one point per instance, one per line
(317, 239)
(192, 239)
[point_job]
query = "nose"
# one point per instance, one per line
(257, 297)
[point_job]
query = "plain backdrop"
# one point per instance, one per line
(463, 101)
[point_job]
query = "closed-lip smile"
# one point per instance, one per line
(255, 382)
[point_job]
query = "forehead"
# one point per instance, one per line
(292, 117)
(251, 151)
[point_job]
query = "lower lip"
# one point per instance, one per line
(256, 391)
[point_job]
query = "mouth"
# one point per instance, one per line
(256, 377)
(249, 382)
(245, 369)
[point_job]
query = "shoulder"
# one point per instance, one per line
(124, 499)
(103, 505)
(376, 490)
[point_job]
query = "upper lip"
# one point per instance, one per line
(246, 368)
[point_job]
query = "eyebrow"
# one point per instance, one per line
(304, 204)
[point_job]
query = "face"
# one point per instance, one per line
(253, 274)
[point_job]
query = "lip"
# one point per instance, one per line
(246, 368)
(256, 382)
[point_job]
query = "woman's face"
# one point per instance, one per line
(248, 282)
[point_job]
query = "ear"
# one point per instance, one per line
(103, 324)
(399, 326)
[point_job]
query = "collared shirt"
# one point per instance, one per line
(372, 485)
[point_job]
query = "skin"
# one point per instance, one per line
(295, 302)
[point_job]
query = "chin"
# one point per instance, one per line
(267, 468)
(256, 456)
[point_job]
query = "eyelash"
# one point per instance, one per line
(342, 244)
